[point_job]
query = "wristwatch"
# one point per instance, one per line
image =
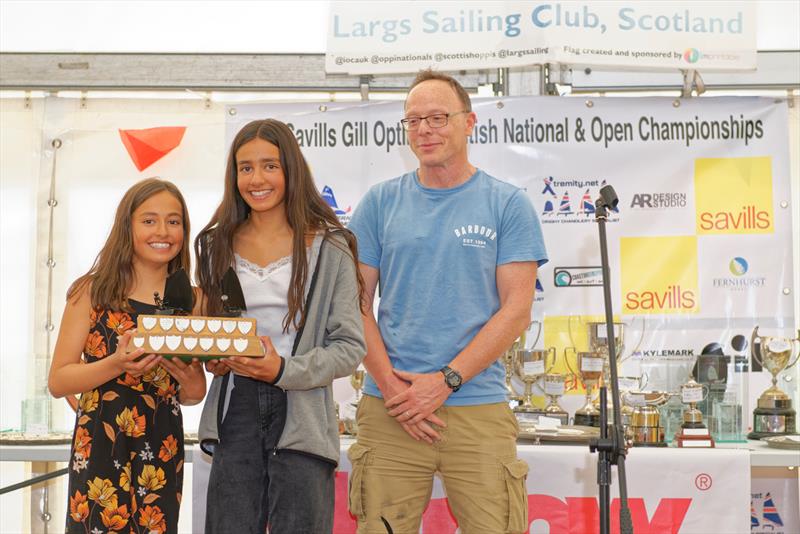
(451, 377)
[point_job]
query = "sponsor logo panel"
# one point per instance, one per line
(733, 195)
(589, 276)
(571, 200)
(659, 275)
(739, 281)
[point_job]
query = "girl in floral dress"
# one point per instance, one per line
(126, 463)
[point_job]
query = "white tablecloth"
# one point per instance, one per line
(670, 491)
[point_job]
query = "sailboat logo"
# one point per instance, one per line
(770, 514)
(586, 204)
(556, 200)
(327, 194)
(753, 517)
(564, 208)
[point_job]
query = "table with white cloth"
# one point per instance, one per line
(670, 490)
(723, 490)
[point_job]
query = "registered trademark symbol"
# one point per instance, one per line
(703, 482)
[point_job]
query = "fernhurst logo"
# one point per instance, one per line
(475, 235)
(733, 195)
(739, 267)
(571, 201)
(578, 276)
(328, 196)
(658, 201)
(691, 55)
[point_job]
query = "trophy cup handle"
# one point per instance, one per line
(638, 343)
(538, 331)
(567, 350)
(569, 332)
(706, 391)
(756, 352)
(797, 356)
(548, 352)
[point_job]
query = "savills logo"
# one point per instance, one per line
(659, 275)
(733, 195)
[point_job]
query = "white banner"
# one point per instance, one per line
(700, 246)
(775, 501)
(670, 491)
(391, 37)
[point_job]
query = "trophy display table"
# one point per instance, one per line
(671, 489)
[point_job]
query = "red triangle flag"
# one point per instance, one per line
(145, 147)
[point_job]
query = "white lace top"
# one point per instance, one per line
(265, 291)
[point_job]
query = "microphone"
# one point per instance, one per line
(608, 197)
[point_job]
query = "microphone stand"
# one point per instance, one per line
(611, 449)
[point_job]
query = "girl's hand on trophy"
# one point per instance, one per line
(217, 367)
(265, 368)
(132, 363)
(189, 375)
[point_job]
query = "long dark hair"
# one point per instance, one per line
(111, 274)
(306, 212)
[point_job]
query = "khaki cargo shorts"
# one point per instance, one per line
(392, 474)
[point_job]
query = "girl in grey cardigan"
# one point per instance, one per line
(270, 423)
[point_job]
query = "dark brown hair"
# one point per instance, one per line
(111, 275)
(430, 74)
(306, 212)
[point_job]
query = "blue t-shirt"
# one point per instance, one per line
(437, 251)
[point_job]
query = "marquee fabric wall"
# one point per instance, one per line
(700, 247)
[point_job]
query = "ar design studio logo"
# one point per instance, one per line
(558, 205)
(733, 196)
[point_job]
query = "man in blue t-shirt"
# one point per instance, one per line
(455, 252)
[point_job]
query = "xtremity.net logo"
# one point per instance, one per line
(659, 275)
(571, 200)
(733, 196)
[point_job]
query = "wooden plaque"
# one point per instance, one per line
(204, 338)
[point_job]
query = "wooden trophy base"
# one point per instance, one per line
(697, 437)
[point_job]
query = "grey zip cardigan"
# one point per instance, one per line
(330, 345)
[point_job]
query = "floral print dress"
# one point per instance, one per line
(126, 463)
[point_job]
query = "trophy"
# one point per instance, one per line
(630, 384)
(529, 366)
(553, 389)
(357, 381)
(693, 432)
(774, 415)
(590, 369)
(508, 365)
(645, 428)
